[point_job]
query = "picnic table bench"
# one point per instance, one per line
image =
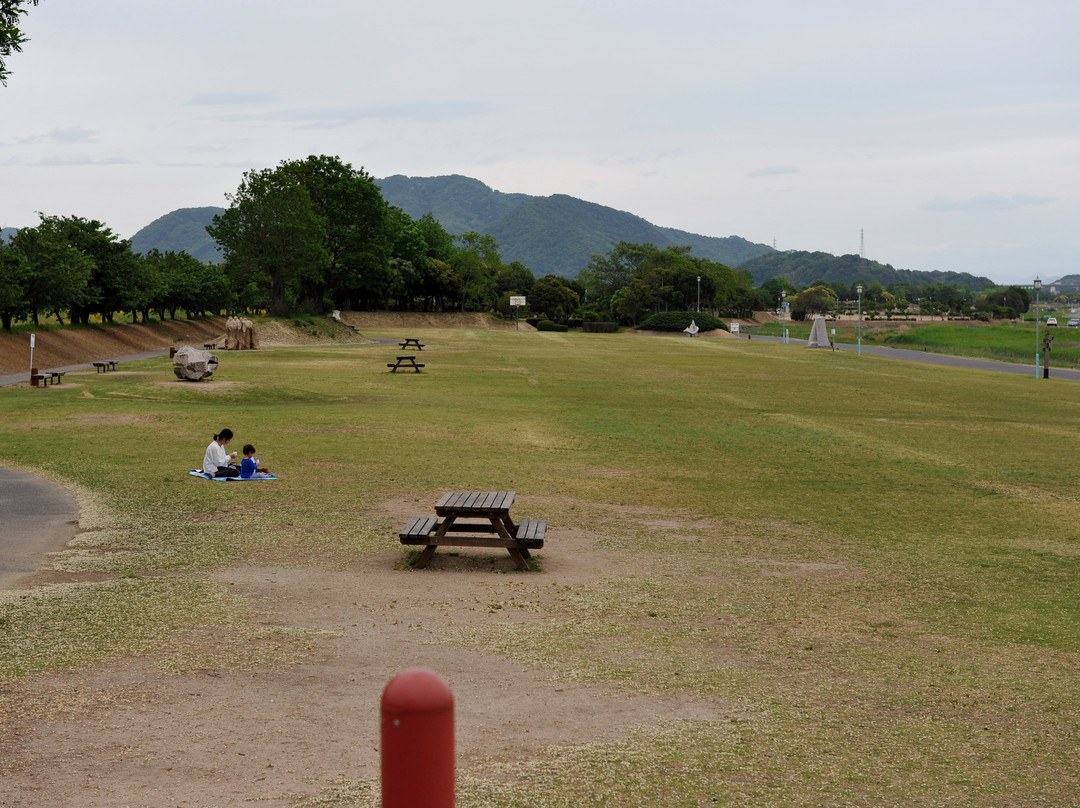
(104, 365)
(43, 377)
(407, 361)
(412, 342)
(487, 523)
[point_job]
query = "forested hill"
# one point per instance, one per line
(460, 204)
(183, 229)
(557, 235)
(803, 268)
(552, 235)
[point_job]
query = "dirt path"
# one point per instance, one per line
(126, 735)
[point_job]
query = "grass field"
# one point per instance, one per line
(874, 566)
(1004, 342)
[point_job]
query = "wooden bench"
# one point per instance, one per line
(40, 379)
(418, 530)
(531, 532)
(210, 346)
(407, 361)
(105, 365)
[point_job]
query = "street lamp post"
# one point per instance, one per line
(699, 294)
(918, 309)
(1038, 286)
(859, 327)
(783, 316)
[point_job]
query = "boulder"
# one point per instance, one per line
(240, 334)
(194, 364)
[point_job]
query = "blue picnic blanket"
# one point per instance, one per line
(256, 476)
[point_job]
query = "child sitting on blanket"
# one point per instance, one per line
(249, 466)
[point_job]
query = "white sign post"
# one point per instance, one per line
(33, 339)
(516, 301)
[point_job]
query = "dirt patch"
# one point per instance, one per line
(283, 334)
(125, 734)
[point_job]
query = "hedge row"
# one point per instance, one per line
(680, 321)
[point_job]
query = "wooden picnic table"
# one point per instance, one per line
(412, 342)
(406, 361)
(104, 365)
(475, 519)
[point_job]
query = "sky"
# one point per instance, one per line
(941, 135)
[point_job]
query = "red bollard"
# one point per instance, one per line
(417, 741)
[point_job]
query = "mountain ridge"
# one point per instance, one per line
(552, 235)
(558, 234)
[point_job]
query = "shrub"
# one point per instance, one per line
(548, 325)
(680, 321)
(597, 327)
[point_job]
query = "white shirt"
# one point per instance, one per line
(215, 457)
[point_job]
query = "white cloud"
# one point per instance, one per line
(73, 134)
(986, 203)
(83, 160)
(774, 171)
(233, 98)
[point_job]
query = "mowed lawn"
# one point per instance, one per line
(873, 566)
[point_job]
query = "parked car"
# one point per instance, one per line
(1073, 323)
(1051, 320)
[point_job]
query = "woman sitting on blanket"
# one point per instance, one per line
(216, 460)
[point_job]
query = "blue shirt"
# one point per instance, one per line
(248, 467)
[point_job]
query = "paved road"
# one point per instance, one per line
(5, 381)
(36, 517)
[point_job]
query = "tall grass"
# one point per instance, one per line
(869, 567)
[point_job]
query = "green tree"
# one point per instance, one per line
(514, 278)
(14, 272)
(632, 301)
(58, 274)
(358, 229)
(147, 290)
(773, 290)
(183, 278)
(272, 237)
(815, 300)
(607, 274)
(477, 263)
(11, 35)
(552, 296)
(113, 285)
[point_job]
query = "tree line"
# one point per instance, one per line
(312, 235)
(898, 299)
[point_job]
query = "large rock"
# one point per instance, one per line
(194, 364)
(240, 334)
